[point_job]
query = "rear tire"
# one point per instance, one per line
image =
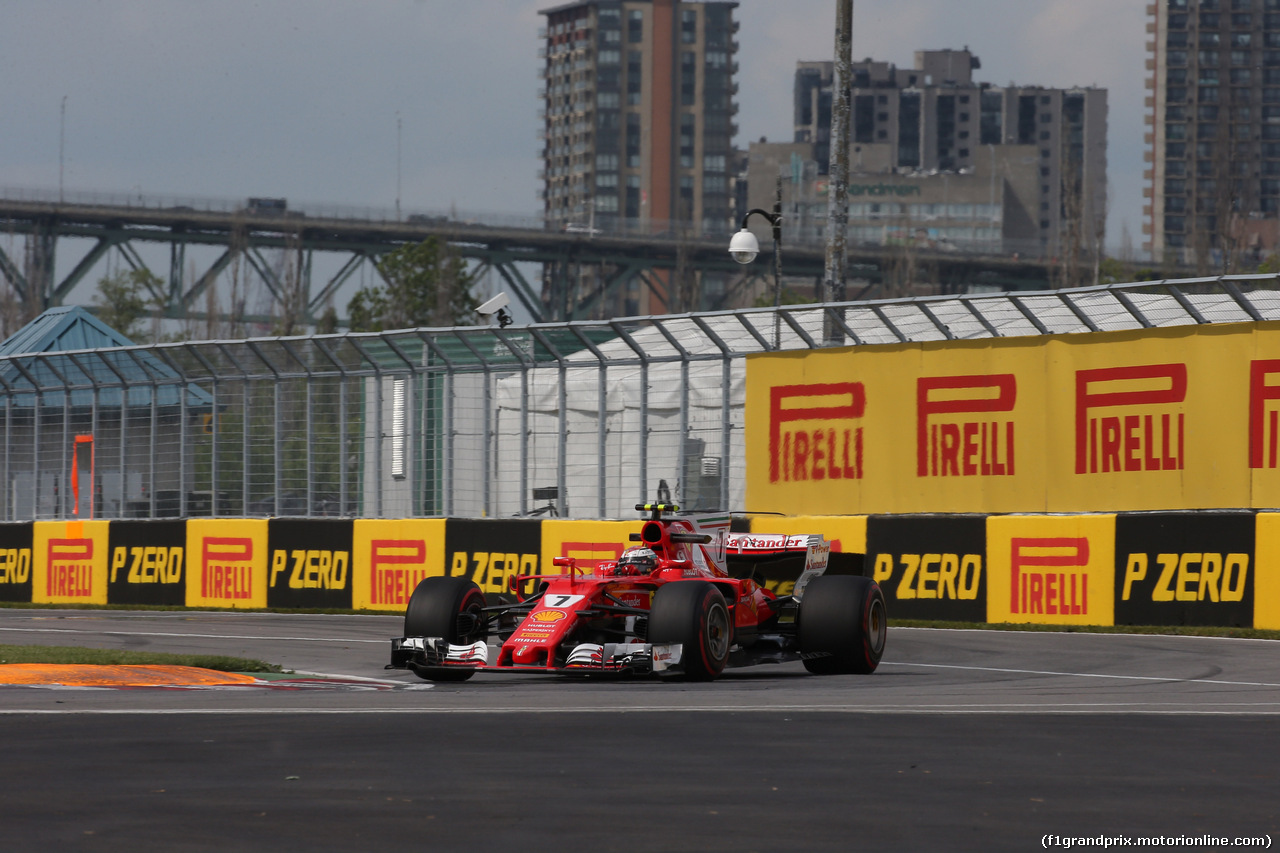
(842, 620)
(449, 608)
(693, 614)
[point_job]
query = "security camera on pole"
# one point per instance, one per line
(744, 247)
(497, 306)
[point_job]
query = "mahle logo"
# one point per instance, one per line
(814, 432)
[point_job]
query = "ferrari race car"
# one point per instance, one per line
(671, 605)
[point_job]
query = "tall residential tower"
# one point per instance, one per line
(1213, 193)
(638, 113)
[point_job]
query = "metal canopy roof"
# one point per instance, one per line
(632, 340)
(68, 348)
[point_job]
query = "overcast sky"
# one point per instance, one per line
(296, 99)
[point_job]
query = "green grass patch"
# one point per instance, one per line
(1174, 630)
(114, 657)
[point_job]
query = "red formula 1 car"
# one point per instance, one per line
(671, 605)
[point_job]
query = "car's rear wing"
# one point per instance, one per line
(816, 551)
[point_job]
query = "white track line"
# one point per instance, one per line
(1085, 674)
(1079, 633)
(1078, 709)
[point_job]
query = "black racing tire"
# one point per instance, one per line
(449, 608)
(695, 615)
(843, 625)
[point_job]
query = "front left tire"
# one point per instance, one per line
(695, 615)
(450, 608)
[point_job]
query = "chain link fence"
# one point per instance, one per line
(578, 420)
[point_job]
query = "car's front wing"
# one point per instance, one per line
(428, 653)
(424, 654)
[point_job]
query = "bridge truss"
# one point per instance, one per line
(351, 240)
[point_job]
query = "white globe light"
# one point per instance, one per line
(744, 247)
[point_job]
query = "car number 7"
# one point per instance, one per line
(561, 601)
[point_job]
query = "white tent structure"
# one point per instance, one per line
(657, 410)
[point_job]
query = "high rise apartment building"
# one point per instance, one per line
(935, 118)
(638, 113)
(1213, 131)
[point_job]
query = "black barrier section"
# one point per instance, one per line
(930, 566)
(146, 562)
(15, 562)
(847, 563)
(1193, 568)
(309, 563)
(489, 552)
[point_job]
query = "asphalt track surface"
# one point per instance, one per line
(963, 740)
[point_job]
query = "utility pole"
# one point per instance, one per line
(838, 168)
(397, 165)
(62, 146)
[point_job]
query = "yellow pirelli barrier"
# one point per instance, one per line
(227, 563)
(846, 533)
(1209, 567)
(588, 542)
(1266, 582)
(389, 558)
(1159, 419)
(69, 562)
(1053, 570)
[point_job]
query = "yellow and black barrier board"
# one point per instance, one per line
(70, 562)
(147, 562)
(1266, 583)
(15, 562)
(589, 543)
(1051, 569)
(390, 557)
(490, 552)
(1195, 568)
(1182, 418)
(930, 566)
(309, 563)
(1192, 568)
(846, 533)
(227, 563)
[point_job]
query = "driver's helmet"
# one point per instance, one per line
(638, 561)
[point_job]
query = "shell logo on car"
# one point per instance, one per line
(548, 615)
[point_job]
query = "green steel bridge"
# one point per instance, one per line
(353, 237)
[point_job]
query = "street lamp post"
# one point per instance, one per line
(744, 247)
